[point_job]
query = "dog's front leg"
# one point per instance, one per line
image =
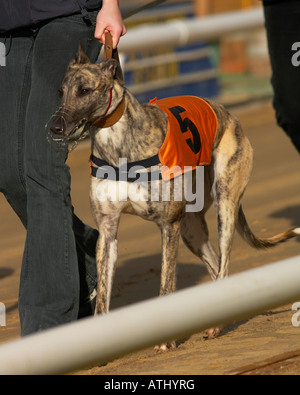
(107, 252)
(170, 242)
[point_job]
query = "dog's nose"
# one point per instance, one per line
(57, 126)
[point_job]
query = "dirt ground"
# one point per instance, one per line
(266, 344)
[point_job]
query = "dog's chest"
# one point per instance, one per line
(111, 197)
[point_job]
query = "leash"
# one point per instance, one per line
(109, 120)
(110, 53)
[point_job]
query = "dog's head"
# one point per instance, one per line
(86, 94)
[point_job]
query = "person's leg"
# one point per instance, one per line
(49, 289)
(86, 240)
(283, 30)
(14, 91)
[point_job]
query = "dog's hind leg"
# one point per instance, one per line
(194, 232)
(231, 168)
(195, 235)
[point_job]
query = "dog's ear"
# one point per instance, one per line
(109, 67)
(82, 57)
(112, 70)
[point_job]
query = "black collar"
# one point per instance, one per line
(105, 171)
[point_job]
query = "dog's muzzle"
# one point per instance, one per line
(60, 127)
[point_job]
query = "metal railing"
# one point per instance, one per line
(189, 31)
(179, 33)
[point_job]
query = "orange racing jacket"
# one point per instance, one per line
(192, 128)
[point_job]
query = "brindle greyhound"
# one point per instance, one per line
(95, 94)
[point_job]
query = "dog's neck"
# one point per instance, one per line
(107, 121)
(137, 135)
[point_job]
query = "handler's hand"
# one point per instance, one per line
(110, 20)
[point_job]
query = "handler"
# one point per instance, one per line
(283, 31)
(41, 37)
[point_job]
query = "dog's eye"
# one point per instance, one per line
(84, 92)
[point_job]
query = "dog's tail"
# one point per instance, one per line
(262, 243)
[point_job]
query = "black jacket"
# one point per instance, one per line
(272, 2)
(16, 14)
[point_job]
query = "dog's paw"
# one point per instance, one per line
(212, 333)
(165, 347)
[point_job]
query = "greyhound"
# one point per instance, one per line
(121, 127)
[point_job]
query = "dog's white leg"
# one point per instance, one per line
(107, 252)
(170, 242)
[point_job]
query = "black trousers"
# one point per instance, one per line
(59, 262)
(283, 31)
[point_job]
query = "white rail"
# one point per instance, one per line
(188, 31)
(101, 339)
(177, 33)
